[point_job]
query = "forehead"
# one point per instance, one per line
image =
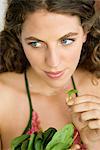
(43, 22)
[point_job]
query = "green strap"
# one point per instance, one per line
(74, 86)
(30, 104)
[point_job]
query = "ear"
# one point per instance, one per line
(85, 36)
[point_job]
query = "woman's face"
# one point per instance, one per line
(52, 44)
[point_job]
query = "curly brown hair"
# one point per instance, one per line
(12, 57)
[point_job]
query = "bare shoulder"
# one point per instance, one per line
(10, 78)
(87, 83)
(13, 106)
(10, 85)
(9, 82)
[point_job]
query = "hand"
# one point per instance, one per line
(86, 118)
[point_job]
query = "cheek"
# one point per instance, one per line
(76, 55)
(28, 54)
(73, 55)
(34, 58)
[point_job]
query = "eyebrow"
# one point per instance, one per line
(65, 36)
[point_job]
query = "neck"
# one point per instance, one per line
(38, 86)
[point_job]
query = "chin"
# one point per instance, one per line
(57, 84)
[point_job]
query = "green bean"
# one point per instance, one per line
(17, 141)
(31, 142)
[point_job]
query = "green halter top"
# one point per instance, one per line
(30, 102)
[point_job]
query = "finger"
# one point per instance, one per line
(88, 134)
(82, 99)
(70, 101)
(94, 124)
(90, 115)
(85, 107)
(78, 122)
(87, 98)
(75, 147)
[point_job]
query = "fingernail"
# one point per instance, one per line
(69, 101)
(78, 146)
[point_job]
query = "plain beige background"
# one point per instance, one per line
(3, 7)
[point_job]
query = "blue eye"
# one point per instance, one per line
(38, 44)
(67, 41)
(35, 44)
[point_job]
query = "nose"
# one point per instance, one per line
(52, 58)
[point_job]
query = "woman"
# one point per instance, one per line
(52, 46)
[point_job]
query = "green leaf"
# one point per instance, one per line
(38, 141)
(18, 141)
(71, 92)
(47, 136)
(59, 146)
(24, 145)
(63, 136)
(31, 142)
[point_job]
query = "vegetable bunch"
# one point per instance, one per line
(51, 139)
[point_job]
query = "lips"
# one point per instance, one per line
(55, 75)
